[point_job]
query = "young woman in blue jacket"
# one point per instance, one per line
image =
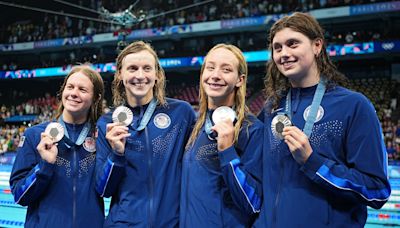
(222, 165)
(56, 179)
(324, 159)
(139, 163)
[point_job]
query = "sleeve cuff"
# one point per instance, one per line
(117, 158)
(314, 162)
(227, 156)
(45, 168)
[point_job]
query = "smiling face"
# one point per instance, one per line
(138, 74)
(77, 97)
(220, 77)
(294, 55)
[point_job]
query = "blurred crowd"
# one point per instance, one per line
(51, 26)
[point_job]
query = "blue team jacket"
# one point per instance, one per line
(223, 189)
(61, 194)
(145, 183)
(346, 171)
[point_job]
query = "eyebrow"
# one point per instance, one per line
(223, 64)
(287, 41)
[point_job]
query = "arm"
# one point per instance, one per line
(363, 176)
(31, 174)
(242, 174)
(110, 165)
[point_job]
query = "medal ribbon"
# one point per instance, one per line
(312, 115)
(82, 135)
(208, 124)
(147, 115)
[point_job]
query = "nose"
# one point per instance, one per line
(285, 52)
(139, 73)
(74, 92)
(215, 74)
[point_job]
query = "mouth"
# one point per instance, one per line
(288, 64)
(73, 101)
(215, 85)
(139, 84)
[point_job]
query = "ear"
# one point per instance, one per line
(317, 46)
(240, 81)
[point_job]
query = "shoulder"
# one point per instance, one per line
(105, 118)
(33, 133)
(177, 103)
(252, 123)
(353, 103)
(339, 91)
(178, 106)
(37, 129)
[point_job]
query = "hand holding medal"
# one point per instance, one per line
(223, 118)
(298, 143)
(117, 132)
(47, 146)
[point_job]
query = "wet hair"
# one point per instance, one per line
(276, 84)
(240, 94)
(118, 88)
(96, 108)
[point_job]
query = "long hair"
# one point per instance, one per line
(118, 88)
(96, 108)
(240, 94)
(276, 84)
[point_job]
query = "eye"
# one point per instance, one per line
(132, 68)
(277, 48)
(293, 43)
(148, 68)
(226, 70)
(210, 68)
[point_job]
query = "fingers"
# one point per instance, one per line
(298, 143)
(116, 135)
(295, 137)
(225, 126)
(46, 142)
(116, 131)
(226, 133)
(47, 148)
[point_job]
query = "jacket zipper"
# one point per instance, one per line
(74, 189)
(151, 184)
(279, 190)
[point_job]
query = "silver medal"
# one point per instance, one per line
(278, 123)
(222, 113)
(55, 131)
(122, 115)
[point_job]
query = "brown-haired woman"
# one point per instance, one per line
(324, 159)
(53, 173)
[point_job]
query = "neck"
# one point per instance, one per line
(73, 119)
(139, 101)
(214, 103)
(305, 82)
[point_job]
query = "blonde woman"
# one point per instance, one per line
(221, 167)
(139, 165)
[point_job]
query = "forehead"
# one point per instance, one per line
(222, 56)
(142, 57)
(79, 79)
(288, 34)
